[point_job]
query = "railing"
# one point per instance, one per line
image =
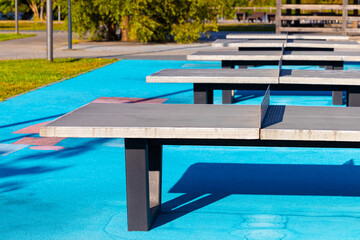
(333, 22)
(255, 8)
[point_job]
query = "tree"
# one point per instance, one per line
(184, 20)
(33, 4)
(7, 6)
(96, 18)
(145, 20)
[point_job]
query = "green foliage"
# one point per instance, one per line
(190, 32)
(9, 6)
(145, 20)
(17, 76)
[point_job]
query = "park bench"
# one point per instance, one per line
(256, 16)
(241, 16)
(147, 127)
(271, 17)
(205, 81)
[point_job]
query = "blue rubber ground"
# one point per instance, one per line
(208, 192)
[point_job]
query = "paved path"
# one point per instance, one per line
(35, 47)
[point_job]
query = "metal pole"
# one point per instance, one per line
(41, 10)
(16, 17)
(344, 16)
(59, 13)
(69, 26)
(278, 16)
(49, 30)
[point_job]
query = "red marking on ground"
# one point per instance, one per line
(129, 100)
(31, 129)
(55, 148)
(49, 141)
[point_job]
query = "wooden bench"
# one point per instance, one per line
(256, 16)
(241, 16)
(271, 17)
(207, 80)
(147, 127)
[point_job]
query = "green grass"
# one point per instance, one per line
(248, 27)
(10, 36)
(18, 76)
(31, 25)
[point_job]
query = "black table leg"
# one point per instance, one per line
(353, 97)
(337, 96)
(228, 95)
(155, 179)
(143, 183)
(203, 94)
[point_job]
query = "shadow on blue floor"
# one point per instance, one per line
(32, 120)
(243, 95)
(69, 152)
(205, 183)
(163, 95)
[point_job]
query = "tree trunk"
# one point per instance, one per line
(125, 28)
(34, 9)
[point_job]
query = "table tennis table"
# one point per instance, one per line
(244, 59)
(148, 127)
(205, 81)
(292, 45)
(288, 36)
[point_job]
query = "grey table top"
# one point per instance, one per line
(106, 120)
(218, 55)
(326, 77)
(285, 36)
(245, 43)
(274, 55)
(215, 76)
(311, 123)
(321, 55)
(172, 121)
(256, 76)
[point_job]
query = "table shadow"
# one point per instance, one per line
(205, 183)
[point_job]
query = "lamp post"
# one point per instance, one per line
(69, 26)
(41, 10)
(49, 31)
(16, 18)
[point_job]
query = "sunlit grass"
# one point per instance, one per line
(18, 76)
(10, 36)
(31, 25)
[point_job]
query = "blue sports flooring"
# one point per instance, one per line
(208, 192)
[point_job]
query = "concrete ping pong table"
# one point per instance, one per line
(289, 45)
(205, 81)
(284, 36)
(331, 60)
(147, 127)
